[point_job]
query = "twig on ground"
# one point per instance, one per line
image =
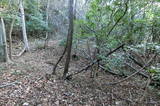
(9, 84)
(84, 69)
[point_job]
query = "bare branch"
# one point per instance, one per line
(146, 65)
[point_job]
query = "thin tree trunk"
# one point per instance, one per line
(25, 39)
(69, 39)
(47, 18)
(75, 9)
(10, 39)
(4, 41)
(54, 69)
(119, 19)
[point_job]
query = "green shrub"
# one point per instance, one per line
(155, 72)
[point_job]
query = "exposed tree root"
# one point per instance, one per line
(21, 53)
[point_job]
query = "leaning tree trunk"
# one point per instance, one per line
(25, 40)
(69, 39)
(3, 43)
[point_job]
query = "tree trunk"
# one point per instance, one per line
(25, 39)
(75, 11)
(10, 39)
(47, 18)
(69, 38)
(3, 43)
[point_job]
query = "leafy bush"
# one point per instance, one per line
(146, 48)
(63, 42)
(115, 62)
(155, 72)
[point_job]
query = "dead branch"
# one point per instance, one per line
(138, 56)
(136, 62)
(141, 73)
(133, 59)
(111, 52)
(126, 9)
(54, 69)
(111, 72)
(94, 62)
(84, 69)
(9, 84)
(146, 65)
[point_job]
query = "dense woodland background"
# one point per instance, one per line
(80, 52)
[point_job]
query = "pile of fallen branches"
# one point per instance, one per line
(94, 62)
(136, 62)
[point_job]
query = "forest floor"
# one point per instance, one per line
(22, 83)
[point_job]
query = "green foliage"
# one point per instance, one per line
(63, 42)
(34, 14)
(146, 48)
(100, 19)
(133, 27)
(155, 72)
(81, 30)
(115, 63)
(35, 17)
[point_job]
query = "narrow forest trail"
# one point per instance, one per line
(22, 83)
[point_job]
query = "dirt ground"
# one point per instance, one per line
(23, 83)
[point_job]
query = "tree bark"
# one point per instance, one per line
(54, 68)
(25, 39)
(47, 18)
(69, 39)
(4, 52)
(119, 19)
(10, 39)
(75, 11)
